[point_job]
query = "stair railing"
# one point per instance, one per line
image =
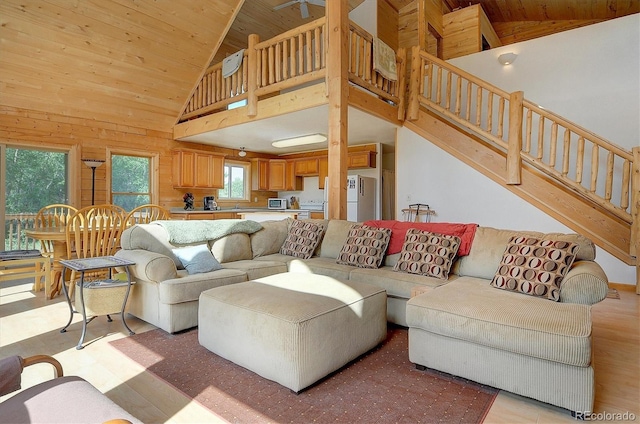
(581, 160)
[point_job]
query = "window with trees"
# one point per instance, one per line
(236, 181)
(130, 181)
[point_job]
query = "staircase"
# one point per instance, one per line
(575, 176)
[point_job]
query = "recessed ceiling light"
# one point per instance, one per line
(299, 141)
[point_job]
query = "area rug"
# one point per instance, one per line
(380, 386)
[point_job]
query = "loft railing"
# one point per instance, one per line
(289, 60)
(585, 162)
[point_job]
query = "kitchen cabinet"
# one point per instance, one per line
(277, 174)
(200, 215)
(364, 159)
(260, 174)
(306, 167)
(316, 215)
(323, 171)
(197, 170)
(292, 181)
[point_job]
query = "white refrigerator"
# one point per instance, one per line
(361, 198)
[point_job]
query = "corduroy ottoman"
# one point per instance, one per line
(292, 328)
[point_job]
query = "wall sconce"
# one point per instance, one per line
(507, 58)
(93, 164)
(242, 153)
(299, 141)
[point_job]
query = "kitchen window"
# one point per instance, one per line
(133, 179)
(236, 181)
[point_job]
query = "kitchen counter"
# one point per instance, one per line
(233, 210)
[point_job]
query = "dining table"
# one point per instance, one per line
(58, 238)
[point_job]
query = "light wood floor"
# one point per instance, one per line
(30, 325)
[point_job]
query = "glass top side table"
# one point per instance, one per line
(103, 296)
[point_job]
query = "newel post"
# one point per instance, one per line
(401, 89)
(252, 77)
(514, 164)
(635, 212)
(414, 84)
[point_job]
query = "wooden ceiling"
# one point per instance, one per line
(135, 63)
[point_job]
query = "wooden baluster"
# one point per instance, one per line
(219, 84)
(323, 50)
(478, 106)
(501, 106)
(429, 74)
(353, 59)
(448, 91)
(626, 178)
(594, 168)
(272, 65)
(468, 111)
(245, 74)
(554, 145)
(307, 49)
(227, 88)
(439, 85)
(566, 152)
(580, 160)
(285, 60)
(301, 53)
(293, 57)
(361, 64)
(234, 84)
(489, 111)
(458, 94)
(540, 138)
(265, 68)
(514, 146)
(317, 48)
(277, 63)
(608, 183)
(368, 61)
(527, 144)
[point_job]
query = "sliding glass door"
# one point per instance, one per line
(30, 179)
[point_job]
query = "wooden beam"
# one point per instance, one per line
(337, 13)
(252, 78)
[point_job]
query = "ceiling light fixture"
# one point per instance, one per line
(507, 58)
(299, 141)
(242, 153)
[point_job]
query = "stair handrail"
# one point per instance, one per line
(484, 109)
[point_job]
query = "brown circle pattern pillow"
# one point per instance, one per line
(427, 253)
(302, 239)
(535, 267)
(365, 246)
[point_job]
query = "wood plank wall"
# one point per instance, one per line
(91, 139)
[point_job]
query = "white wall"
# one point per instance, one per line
(365, 16)
(589, 75)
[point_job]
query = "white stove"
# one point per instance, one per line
(312, 205)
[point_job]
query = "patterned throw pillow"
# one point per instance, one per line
(365, 246)
(302, 239)
(535, 267)
(427, 253)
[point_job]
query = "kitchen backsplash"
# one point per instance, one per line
(311, 192)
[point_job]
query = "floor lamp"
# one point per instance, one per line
(93, 164)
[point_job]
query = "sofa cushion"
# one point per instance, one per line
(257, 269)
(197, 259)
(489, 244)
(470, 309)
(364, 247)
(302, 239)
(334, 238)
(427, 253)
(187, 288)
(397, 284)
(149, 266)
(151, 237)
(322, 266)
(234, 247)
(534, 267)
(270, 238)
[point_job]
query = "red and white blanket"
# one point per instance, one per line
(466, 232)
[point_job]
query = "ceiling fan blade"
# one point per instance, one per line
(304, 9)
(320, 3)
(287, 4)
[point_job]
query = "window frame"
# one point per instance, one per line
(154, 173)
(246, 166)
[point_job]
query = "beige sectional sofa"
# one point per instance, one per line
(524, 344)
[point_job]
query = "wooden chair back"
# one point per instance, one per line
(95, 231)
(146, 213)
(53, 216)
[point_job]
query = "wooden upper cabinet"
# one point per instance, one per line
(292, 181)
(364, 159)
(277, 174)
(197, 170)
(306, 166)
(260, 174)
(323, 171)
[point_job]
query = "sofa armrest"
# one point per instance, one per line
(585, 283)
(150, 266)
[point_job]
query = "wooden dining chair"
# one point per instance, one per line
(93, 231)
(52, 216)
(146, 213)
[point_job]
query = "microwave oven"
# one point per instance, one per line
(275, 203)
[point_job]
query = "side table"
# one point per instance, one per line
(103, 296)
